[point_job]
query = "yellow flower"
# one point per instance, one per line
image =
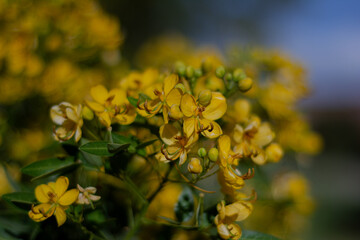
(54, 199)
(111, 106)
(86, 196)
(201, 119)
(194, 166)
(252, 138)
(227, 215)
(164, 100)
(177, 146)
(70, 121)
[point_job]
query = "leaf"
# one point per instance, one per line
(120, 139)
(115, 147)
(96, 217)
(133, 101)
(184, 208)
(252, 235)
(96, 148)
(21, 200)
(48, 167)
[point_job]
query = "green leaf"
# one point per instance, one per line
(96, 148)
(252, 235)
(115, 147)
(48, 167)
(133, 101)
(120, 139)
(96, 217)
(20, 200)
(184, 208)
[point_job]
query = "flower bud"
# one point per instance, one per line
(245, 84)
(213, 154)
(205, 97)
(180, 68)
(239, 74)
(228, 77)
(181, 87)
(194, 166)
(87, 113)
(202, 152)
(206, 66)
(198, 73)
(274, 152)
(220, 72)
(189, 71)
(175, 112)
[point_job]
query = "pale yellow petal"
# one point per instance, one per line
(168, 133)
(189, 126)
(170, 82)
(43, 193)
(71, 114)
(213, 128)
(188, 105)
(223, 231)
(60, 216)
(217, 107)
(264, 135)
(238, 211)
(99, 94)
(126, 118)
(78, 134)
(224, 146)
(174, 97)
(69, 197)
(96, 107)
(183, 157)
(56, 115)
(104, 118)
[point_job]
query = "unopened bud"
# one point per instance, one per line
(181, 87)
(245, 84)
(189, 71)
(175, 112)
(198, 73)
(87, 113)
(239, 74)
(194, 166)
(205, 97)
(228, 77)
(274, 152)
(180, 68)
(220, 72)
(206, 66)
(202, 152)
(213, 154)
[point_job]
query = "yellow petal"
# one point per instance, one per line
(41, 212)
(57, 115)
(188, 105)
(183, 157)
(259, 158)
(238, 211)
(174, 97)
(126, 118)
(166, 114)
(189, 126)
(168, 133)
(235, 231)
(69, 197)
(105, 119)
(60, 216)
(264, 135)
(223, 231)
(99, 94)
(170, 82)
(214, 130)
(61, 185)
(119, 96)
(71, 114)
(78, 134)
(96, 107)
(224, 146)
(217, 107)
(43, 192)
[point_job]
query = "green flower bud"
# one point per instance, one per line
(205, 97)
(228, 77)
(213, 154)
(239, 74)
(220, 72)
(87, 113)
(202, 152)
(198, 73)
(190, 71)
(245, 84)
(181, 87)
(180, 68)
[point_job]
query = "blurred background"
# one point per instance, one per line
(321, 35)
(324, 37)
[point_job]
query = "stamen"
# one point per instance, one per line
(250, 174)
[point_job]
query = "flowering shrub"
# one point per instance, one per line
(174, 149)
